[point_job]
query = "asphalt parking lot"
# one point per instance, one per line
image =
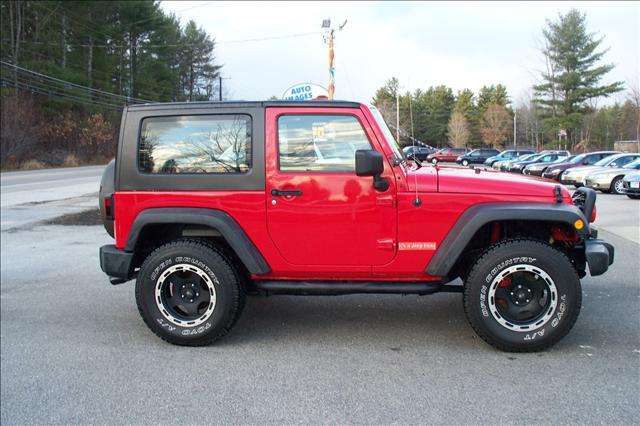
(74, 349)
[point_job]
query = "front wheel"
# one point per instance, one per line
(633, 196)
(522, 296)
(188, 293)
(465, 163)
(434, 161)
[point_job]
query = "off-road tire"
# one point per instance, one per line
(531, 253)
(228, 284)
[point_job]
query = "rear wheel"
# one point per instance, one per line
(616, 186)
(188, 293)
(434, 161)
(522, 296)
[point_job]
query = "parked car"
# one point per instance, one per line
(310, 198)
(504, 165)
(477, 156)
(536, 169)
(575, 175)
(631, 185)
(447, 155)
(518, 166)
(555, 170)
(610, 179)
(418, 152)
(506, 155)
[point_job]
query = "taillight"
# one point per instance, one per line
(108, 207)
(593, 214)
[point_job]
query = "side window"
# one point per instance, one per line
(195, 144)
(319, 143)
(624, 160)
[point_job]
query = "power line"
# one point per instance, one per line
(51, 93)
(108, 76)
(51, 88)
(89, 89)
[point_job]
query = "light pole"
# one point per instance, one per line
(515, 129)
(326, 25)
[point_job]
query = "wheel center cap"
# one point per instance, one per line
(521, 295)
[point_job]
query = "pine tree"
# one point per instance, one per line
(573, 74)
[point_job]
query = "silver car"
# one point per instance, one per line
(631, 184)
(610, 179)
(575, 175)
(506, 164)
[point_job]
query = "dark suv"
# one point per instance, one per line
(477, 156)
(211, 202)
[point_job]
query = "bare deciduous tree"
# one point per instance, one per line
(496, 124)
(458, 130)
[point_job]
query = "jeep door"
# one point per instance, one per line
(318, 211)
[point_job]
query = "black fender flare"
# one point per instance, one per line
(479, 215)
(217, 219)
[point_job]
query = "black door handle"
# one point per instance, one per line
(284, 193)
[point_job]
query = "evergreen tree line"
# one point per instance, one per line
(561, 112)
(68, 68)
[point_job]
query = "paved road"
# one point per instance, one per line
(32, 196)
(74, 349)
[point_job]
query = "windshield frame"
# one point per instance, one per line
(386, 132)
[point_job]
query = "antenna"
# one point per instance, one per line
(417, 201)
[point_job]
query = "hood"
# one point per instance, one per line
(583, 169)
(610, 170)
(563, 165)
(468, 181)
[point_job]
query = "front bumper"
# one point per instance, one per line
(597, 183)
(533, 172)
(626, 187)
(599, 256)
(571, 180)
(551, 175)
(116, 263)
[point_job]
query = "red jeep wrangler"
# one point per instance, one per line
(209, 202)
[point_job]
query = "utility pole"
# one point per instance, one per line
(220, 78)
(515, 129)
(329, 37)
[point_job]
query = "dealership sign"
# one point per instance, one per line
(304, 92)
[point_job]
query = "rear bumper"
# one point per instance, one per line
(599, 256)
(116, 263)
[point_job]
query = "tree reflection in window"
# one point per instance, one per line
(196, 144)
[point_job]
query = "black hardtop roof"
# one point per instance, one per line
(244, 104)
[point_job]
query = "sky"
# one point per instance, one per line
(266, 47)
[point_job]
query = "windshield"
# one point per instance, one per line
(387, 133)
(576, 159)
(532, 157)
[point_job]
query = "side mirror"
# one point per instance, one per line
(369, 163)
